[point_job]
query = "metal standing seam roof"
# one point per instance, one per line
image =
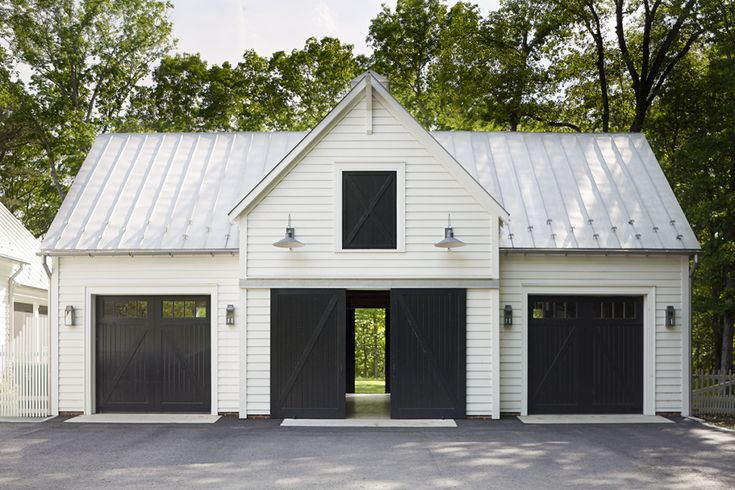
(18, 245)
(173, 191)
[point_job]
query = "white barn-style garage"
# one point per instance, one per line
(569, 292)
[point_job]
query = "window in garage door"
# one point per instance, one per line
(153, 354)
(585, 354)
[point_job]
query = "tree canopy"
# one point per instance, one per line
(72, 69)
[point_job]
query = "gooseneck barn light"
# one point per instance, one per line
(449, 242)
(289, 240)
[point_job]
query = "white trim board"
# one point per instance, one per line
(349, 283)
(399, 167)
(90, 292)
(649, 331)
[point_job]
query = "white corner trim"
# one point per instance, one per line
(686, 339)
(649, 331)
(496, 325)
(161, 289)
(53, 310)
(243, 338)
(362, 164)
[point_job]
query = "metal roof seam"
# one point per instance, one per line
(558, 190)
(599, 199)
(580, 200)
(518, 189)
(120, 190)
(200, 183)
(614, 184)
(144, 178)
(174, 205)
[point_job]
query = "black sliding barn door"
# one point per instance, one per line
(585, 354)
(308, 353)
(428, 353)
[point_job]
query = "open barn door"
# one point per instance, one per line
(428, 353)
(308, 353)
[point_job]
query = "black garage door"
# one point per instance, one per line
(585, 354)
(153, 354)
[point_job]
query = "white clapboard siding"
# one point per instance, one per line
(479, 352)
(308, 194)
(663, 273)
(124, 272)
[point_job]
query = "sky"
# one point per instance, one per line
(221, 30)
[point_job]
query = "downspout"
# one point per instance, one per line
(11, 308)
(692, 270)
(46, 267)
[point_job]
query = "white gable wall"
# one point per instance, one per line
(308, 194)
(663, 277)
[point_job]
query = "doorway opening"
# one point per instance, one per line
(367, 352)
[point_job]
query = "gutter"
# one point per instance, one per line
(132, 253)
(597, 251)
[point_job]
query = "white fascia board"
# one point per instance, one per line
(293, 156)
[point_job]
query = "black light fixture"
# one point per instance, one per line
(230, 315)
(508, 315)
(289, 240)
(69, 316)
(449, 242)
(670, 316)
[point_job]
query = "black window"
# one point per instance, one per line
(369, 210)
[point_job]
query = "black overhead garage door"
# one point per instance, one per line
(585, 354)
(153, 354)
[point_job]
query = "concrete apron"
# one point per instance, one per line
(368, 410)
(145, 418)
(595, 419)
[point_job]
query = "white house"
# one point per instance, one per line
(570, 294)
(24, 339)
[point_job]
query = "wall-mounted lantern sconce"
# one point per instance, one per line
(69, 316)
(449, 242)
(670, 316)
(508, 315)
(230, 315)
(289, 240)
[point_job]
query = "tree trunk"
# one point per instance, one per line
(727, 325)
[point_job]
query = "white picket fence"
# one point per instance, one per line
(713, 393)
(24, 369)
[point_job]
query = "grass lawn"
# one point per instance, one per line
(369, 385)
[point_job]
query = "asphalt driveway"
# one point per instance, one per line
(260, 454)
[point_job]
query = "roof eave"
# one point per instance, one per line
(134, 252)
(598, 251)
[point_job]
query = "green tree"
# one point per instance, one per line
(85, 59)
(370, 343)
(406, 42)
(692, 129)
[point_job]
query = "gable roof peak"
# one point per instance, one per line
(370, 73)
